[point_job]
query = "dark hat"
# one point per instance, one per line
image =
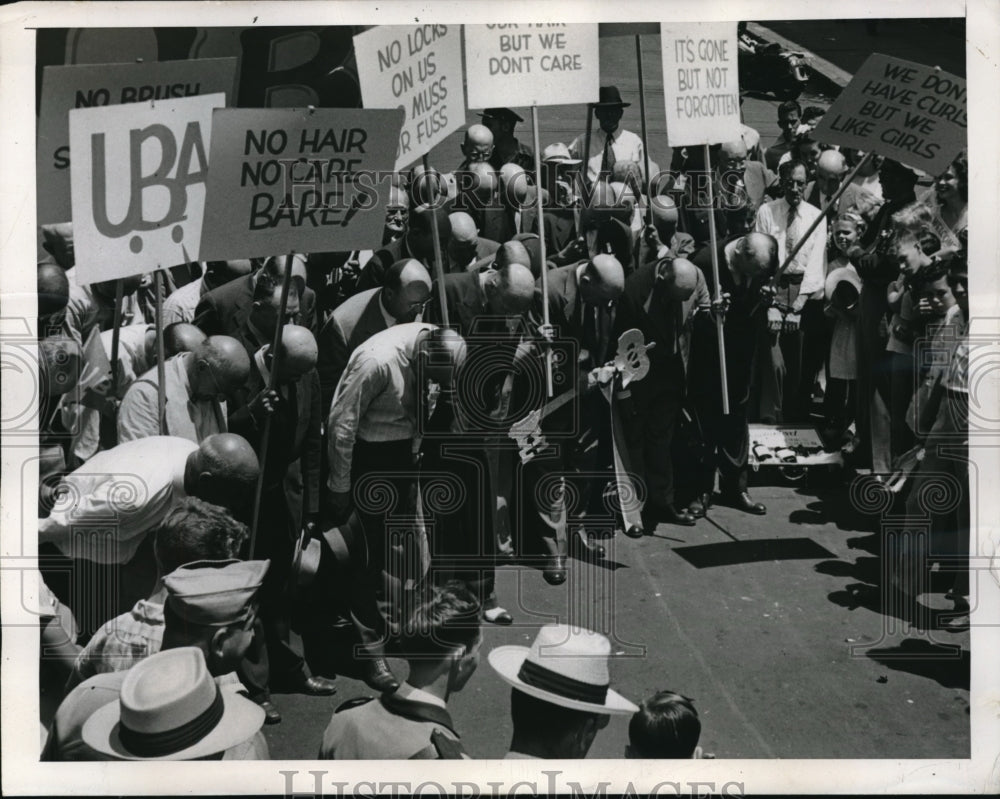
(611, 96)
(500, 113)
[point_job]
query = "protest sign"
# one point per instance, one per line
(308, 180)
(65, 88)
(418, 67)
(912, 113)
(701, 84)
(138, 185)
(531, 64)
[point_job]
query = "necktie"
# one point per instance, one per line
(790, 238)
(608, 159)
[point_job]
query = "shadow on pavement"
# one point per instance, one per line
(946, 665)
(730, 553)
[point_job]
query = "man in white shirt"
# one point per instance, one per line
(196, 385)
(372, 427)
(611, 143)
(787, 219)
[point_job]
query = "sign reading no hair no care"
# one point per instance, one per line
(308, 180)
(909, 112)
(531, 64)
(701, 85)
(418, 68)
(138, 184)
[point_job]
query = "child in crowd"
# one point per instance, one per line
(665, 726)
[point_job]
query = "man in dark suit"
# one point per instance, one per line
(418, 243)
(224, 311)
(466, 246)
(581, 312)
(407, 289)
(660, 300)
(487, 309)
(290, 497)
(745, 268)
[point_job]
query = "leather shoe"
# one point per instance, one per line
(671, 515)
(555, 570)
(271, 713)
(318, 686)
(379, 676)
(699, 506)
(743, 502)
(635, 531)
(583, 548)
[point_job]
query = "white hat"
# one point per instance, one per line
(170, 708)
(842, 274)
(567, 666)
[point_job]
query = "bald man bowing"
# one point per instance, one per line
(661, 300)
(196, 385)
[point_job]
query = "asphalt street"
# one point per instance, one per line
(772, 624)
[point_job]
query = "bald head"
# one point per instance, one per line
(463, 228)
(53, 289)
(513, 185)
(756, 253)
(276, 265)
(181, 337)
(510, 290)
(602, 280)
(481, 180)
(512, 252)
(406, 289)
(830, 168)
(665, 216)
(426, 186)
(223, 471)
(440, 353)
(677, 278)
(298, 353)
(218, 273)
(219, 367)
(478, 143)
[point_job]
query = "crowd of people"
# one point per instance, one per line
(418, 425)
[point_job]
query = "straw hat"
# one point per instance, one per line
(559, 153)
(566, 666)
(840, 275)
(170, 708)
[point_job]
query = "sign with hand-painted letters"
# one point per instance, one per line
(521, 64)
(910, 112)
(418, 68)
(302, 179)
(138, 184)
(65, 88)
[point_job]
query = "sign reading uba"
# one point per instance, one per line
(138, 185)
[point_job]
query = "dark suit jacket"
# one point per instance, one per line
(353, 322)
(568, 313)
(665, 321)
(224, 311)
(294, 446)
(373, 272)
(746, 313)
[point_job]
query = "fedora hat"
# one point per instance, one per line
(609, 95)
(305, 561)
(566, 666)
(170, 708)
(559, 153)
(841, 275)
(501, 113)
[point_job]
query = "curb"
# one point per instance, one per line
(828, 73)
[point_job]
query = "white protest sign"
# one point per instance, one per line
(536, 64)
(912, 113)
(701, 86)
(138, 184)
(418, 68)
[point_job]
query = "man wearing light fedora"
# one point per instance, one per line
(210, 605)
(561, 696)
(170, 708)
(610, 143)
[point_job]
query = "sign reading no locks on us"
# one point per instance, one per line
(417, 68)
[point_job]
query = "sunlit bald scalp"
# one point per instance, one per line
(463, 227)
(757, 252)
(603, 279)
(182, 337)
(227, 360)
(512, 252)
(298, 352)
(223, 471)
